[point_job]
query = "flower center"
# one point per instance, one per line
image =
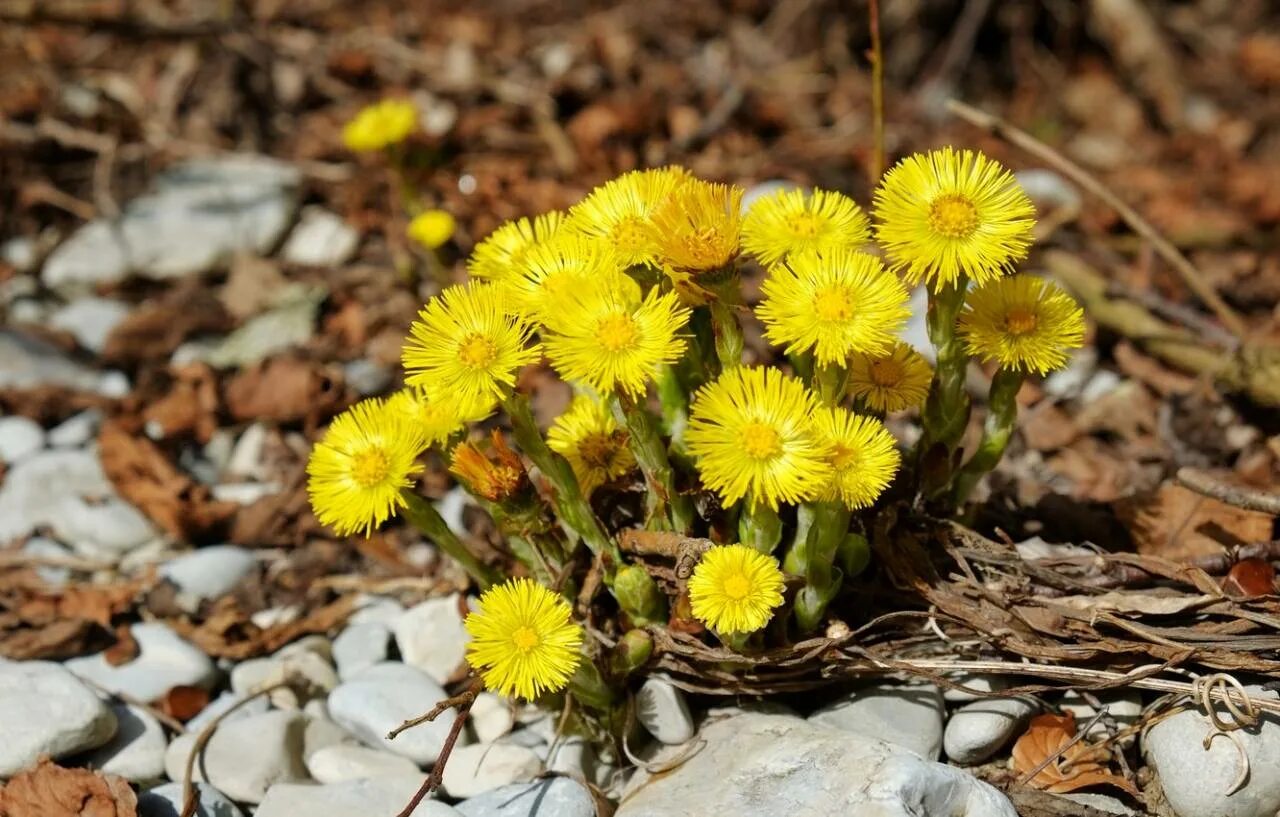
(844, 457)
(1020, 321)
(616, 332)
(805, 225)
(369, 467)
(630, 236)
(885, 372)
(953, 215)
(597, 450)
(833, 304)
(737, 587)
(477, 351)
(760, 441)
(525, 638)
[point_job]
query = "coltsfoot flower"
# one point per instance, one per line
(735, 589)
(379, 125)
(1023, 323)
(358, 469)
(791, 221)
(893, 381)
(502, 254)
(697, 228)
(438, 417)
(620, 212)
(863, 458)
(587, 435)
(524, 641)
(947, 214)
(564, 263)
(432, 228)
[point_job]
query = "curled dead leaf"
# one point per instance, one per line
(1061, 766)
(49, 790)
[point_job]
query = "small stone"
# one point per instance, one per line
(1125, 708)
(246, 454)
(1069, 381)
(245, 757)
(980, 683)
(570, 756)
(164, 661)
(19, 253)
(480, 767)
(19, 437)
(376, 609)
(342, 762)
(223, 703)
(549, 797)
(27, 363)
(978, 730)
(290, 322)
(374, 797)
(384, 696)
(244, 493)
(908, 716)
(136, 752)
(1100, 385)
(76, 430)
(209, 572)
(166, 801)
(366, 376)
(294, 664)
(321, 239)
(322, 731)
(662, 709)
(431, 637)
(360, 646)
(90, 320)
(491, 717)
(46, 710)
(40, 547)
(1101, 802)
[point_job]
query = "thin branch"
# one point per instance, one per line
(1251, 499)
(189, 798)
(462, 702)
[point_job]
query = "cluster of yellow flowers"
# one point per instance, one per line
(638, 285)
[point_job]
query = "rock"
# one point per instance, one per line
(19, 438)
(549, 797)
(385, 696)
(290, 322)
(569, 756)
(1196, 780)
(209, 572)
(431, 637)
(375, 797)
(765, 188)
(1101, 802)
(1100, 385)
(481, 767)
(90, 320)
(247, 756)
(46, 710)
(340, 762)
(136, 751)
(41, 547)
(221, 704)
(164, 661)
(1069, 381)
(491, 717)
(245, 493)
(67, 493)
(661, 709)
(757, 765)
(302, 666)
(201, 214)
(26, 363)
(360, 646)
(916, 332)
(1124, 707)
(908, 716)
(77, 430)
(246, 455)
(367, 377)
(378, 609)
(982, 683)
(20, 253)
(166, 801)
(321, 239)
(978, 730)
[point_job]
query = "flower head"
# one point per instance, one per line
(697, 228)
(357, 471)
(947, 214)
(891, 381)
(436, 417)
(432, 228)
(620, 212)
(834, 304)
(465, 344)
(524, 641)
(1022, 322)
(587, 435)
(751, 433)
(381, 124)
(502, 254)
(607, 336)
(565, 262)
(864, 456)
(496, 478)
(734, 589)
(791, 220)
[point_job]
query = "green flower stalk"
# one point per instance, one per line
(667, 505)
(759, 527)
(1002, 415)
(423, 516)
(946, 410)
(814, 558)
(639, 595)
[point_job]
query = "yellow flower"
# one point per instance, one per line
(502, 254)
(607, 336)
(864, 456)
(358, 469)
(834, 304)
(620, 212)
(587, 435)
(943, 215)
(789, 221)
(697, 227)
(567, 261)
(734, 589)
(466, 345)
(1022, 322)
(432, 228)
(892, 381)
(437, 417)
(751, 434)
(496, 479)
(524, 641)
(380, 124)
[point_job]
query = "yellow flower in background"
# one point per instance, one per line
(524, 641)
(948, 214)
(893, 381)
(620, 212)
(751, 434)
(358, 469)
(568, 261)
(381, 124)
(1022, 322)
(587, 435)
(790, 221)
(864, 456)
(502, 254)
(464, 344)
(735, 589)
(697, 228)
(833, 304)
(607, 336)
(437, 417)
(432, 228)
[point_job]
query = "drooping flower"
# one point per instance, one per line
(358, 469)
(497, 477)
(895, 380)
(620, 212)
(524, 641)
(948, 214)
(1022, 322)
(697, 228)
(502, 254)
(432, 228)
(735, 589)
(587, 435)
(791, 221)
(751, 434)
(833, 304)
(565, 262)
(863, 460)
(379, 125)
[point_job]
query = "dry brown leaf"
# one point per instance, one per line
(151, 332)
(228, 632)
(183, 702)
(189, 407)
(1179, 524)
(1073, 766)
(287, 389)
(42, 622)
(49, 790)
(1147, 602)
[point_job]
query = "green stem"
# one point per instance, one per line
(651, 454)
(423, 516)
(759, 527)
(673, 396)
(702, 346)
(946, 411)
(1002, 415)
(830, 381)
(828, 527)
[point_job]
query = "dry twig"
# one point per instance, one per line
(1251, 499)
(190, 800)
(462, 702)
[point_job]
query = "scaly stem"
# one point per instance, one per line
(673, 396)
(728, 334)
(946, 411)
(828, 525)
(759, 527)
(423, 516)
(830, 381)
(1002, 415)
(651, 454)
